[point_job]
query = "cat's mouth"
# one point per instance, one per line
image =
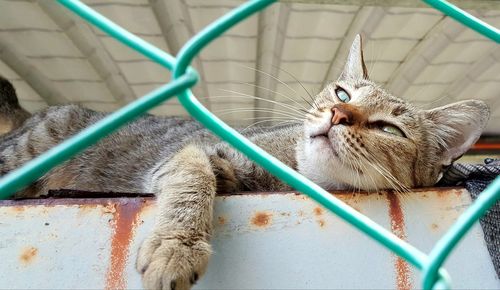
(324, 137)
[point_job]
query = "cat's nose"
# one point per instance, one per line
(341, 116)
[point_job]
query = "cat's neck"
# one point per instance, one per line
(281, 142)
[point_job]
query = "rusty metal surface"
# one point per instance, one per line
(261, 241)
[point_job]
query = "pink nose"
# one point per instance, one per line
(341, 116)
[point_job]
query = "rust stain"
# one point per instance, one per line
(18, 209)
(221, 220)
(447, 192)
(457, 192)
(262, 219)
(318, 211)
(109, 208)
(28, 255)
(403, 279)
(125, 220)
(84, 209)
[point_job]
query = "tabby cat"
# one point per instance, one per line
(356, 136)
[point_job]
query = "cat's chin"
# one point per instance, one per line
(322, 145)
(318, 160)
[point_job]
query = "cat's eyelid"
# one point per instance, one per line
(384, 122)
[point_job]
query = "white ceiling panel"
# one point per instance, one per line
(417, 53)
(24, 15)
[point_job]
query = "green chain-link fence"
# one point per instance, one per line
(185, 77)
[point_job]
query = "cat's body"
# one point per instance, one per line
(355, 136)
(125, 161)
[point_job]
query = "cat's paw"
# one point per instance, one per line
(172, 264)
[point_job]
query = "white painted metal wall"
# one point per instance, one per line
(261, 241)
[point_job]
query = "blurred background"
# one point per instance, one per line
(281, 55)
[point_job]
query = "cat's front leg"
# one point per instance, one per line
(176, 253)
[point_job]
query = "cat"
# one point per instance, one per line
(355, 136)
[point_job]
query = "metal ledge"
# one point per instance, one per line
(261, 240)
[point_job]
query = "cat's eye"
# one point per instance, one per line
(342, 95)
(391, 129)
(387, 128)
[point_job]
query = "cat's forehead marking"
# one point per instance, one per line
(361, 92)
(399, 110)
(360, 84)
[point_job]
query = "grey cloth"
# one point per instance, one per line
(475, 178)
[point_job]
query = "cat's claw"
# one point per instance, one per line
(172, 264)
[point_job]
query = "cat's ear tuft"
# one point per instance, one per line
(355, 67)
(459, 125)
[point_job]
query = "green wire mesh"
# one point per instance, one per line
(185, 77)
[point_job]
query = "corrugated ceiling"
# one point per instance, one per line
(53, 57)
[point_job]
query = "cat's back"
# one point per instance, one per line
(118, 162)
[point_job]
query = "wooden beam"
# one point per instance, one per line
(365, 21)
(464, 4)
(437, 39)
(470, 72)
(175, 24)
(271, 38)
(89, 44)
(32, 75)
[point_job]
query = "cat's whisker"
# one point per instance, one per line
(292, 76)
(400, 188)
(374, 161)
(392, 182)
(396, 185)
(298, 110)
(253, 97)
(300, 83)
(238, 110)
(269, 75)
(278, 93)
(273, 118)
(263, 121)
(361, 157)
(313, 105)
(367, 172)
(358, 177)
(280, 120)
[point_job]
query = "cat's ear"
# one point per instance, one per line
(459, 125)
(355, 67)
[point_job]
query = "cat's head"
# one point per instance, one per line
(360, 136)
